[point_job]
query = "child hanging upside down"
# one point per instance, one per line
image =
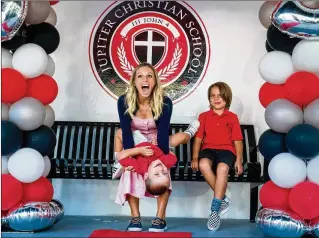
(150, 162)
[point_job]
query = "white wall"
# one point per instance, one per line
(237, 43)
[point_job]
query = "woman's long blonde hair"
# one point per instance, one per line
(157, 96)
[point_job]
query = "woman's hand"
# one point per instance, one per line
(146, 151)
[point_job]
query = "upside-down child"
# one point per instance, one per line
(217, 147)
(148, 160)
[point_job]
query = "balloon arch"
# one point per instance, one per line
(290, 96)
(28, 37)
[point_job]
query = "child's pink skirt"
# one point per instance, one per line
(133, 184)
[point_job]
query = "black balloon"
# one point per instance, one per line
(280, 41)
(44, 35)
(11, 138)
(18, 40)
(268, 47)
(42, 139)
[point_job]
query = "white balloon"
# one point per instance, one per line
(4, 111)
(31, 60)
(47, 166)
(26, 165)
(305, 56)
(52, 19)
(50, 67)
(6, 58)
(276, 66)
(4, 164)
(313, 170)
(49, 116)
(286, 170)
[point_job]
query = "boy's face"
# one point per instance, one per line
(158, 172)
(215, 100)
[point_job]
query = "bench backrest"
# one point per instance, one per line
(84, 150)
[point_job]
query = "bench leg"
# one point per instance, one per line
(253, 203)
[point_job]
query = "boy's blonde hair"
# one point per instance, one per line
(157, 96)
(224, 90)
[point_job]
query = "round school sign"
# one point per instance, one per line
(168, 34)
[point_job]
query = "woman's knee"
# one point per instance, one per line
(205, 165)
(222, 169)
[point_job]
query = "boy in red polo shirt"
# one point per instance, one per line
(217, 147)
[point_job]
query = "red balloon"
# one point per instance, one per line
(13, 85)
(53, 2)
(11, 191)
(314, 221)
(271, 92)
(304, 200)
(44, 88)
(273, 196)
(40, 190)
(302, 88)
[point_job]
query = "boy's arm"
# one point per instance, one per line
(196, 148)
(237, 137)
(239, 150)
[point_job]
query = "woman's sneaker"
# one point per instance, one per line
(158, 225)
(135, 224)
(225, 206)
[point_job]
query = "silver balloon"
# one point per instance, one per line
(58, 209)
(49, 116)
(311, 113)
(32, 216)
(265, 12)
(28, 113)
(281, 115)
(315, 229)
(4, 112)
(13, 14)
(276, 223)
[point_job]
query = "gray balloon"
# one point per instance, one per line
(4, 112)
(281, 115)
(265, 12)
(27, 113)
(49, 116)
(311, 113)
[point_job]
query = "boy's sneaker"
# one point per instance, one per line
(158, 225)
(192, 128)
(135, 224)
(213, 222)
(225, 206)
(117, 170)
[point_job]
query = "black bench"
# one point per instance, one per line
(84, 150)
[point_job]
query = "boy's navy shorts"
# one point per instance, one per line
(218, 156)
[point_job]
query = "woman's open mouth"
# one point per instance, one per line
(145, 88)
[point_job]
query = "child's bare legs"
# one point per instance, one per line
(118, 142)
(178, 139)
(221, 180)
(183, 137)
(205, 166)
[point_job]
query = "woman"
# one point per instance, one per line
(145, 108)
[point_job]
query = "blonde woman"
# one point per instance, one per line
(146, 109)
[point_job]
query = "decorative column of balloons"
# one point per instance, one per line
(290, 95)
(28, 37)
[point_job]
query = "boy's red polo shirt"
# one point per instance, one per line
(219, 131)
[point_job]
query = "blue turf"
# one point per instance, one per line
(82, 226)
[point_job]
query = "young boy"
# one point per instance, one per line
(217, 147)
(150, 162)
